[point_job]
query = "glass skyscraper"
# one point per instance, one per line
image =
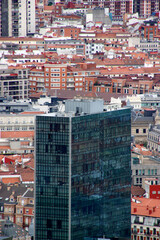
(83, 173)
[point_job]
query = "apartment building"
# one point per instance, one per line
(144, 167)
(153, 138)
(145, 219)
(118, 82)
(14, 83)
(53, 44)
(117, 8)
(145, 8)
(149, 46)
(140, 126)
(17, 132)
(25, 209)
(61, 76)
(18, 18)
(149, 29)
(17, 204)
(36, 80)
(30, 43)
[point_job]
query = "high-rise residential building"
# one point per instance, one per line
(17, 17)
(116, 7)
(146, 8)
(83, 172)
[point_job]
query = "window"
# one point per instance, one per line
(26, 220)
(148, 231)
(153, 192)
(144, 130)
(55, 74)
(49, 223)
(59, 224)
(154, 231)
(49, 234)
(137, 130)
(46, 148)
(58, 159)
(57, 127)
(61, 149)
(55, 69)
(47, 179)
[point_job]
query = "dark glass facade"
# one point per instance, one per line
(83, 176)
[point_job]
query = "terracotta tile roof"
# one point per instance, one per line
(8, 180)
(144, 151)
(27, 176)
(145, 207)
(17, 134)
(137, 191)
(5, 147)
(67, 94)
(30, 163)
(48, 8)
(20, 39)
(62, 46)
(32, 113)
(130, 70)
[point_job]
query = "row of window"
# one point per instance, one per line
(16, 128)
(15, 122)
(138, 130)
(147, 231)
(143, 172)
(155, 138)
(55, 69)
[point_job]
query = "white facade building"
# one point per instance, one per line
(18, 18)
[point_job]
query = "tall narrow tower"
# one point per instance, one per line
(17, 18)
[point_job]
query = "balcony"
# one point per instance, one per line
(70, 80)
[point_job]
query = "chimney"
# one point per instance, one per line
(147, 207)
(8, 188)
(154, 209)
(150, 211)
(13, 192)
(135, 210)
